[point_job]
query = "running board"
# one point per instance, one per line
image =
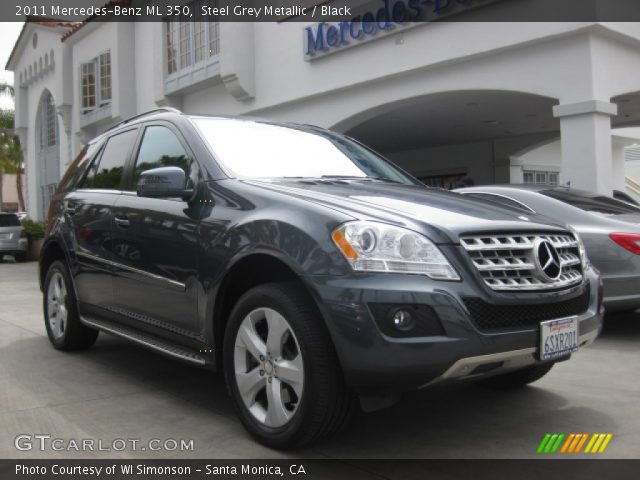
(148, 341)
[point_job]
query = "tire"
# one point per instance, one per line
(60, 307)
(307, 406)
(20, 257)
(519, 378)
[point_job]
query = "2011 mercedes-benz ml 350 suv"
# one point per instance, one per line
(306, 267)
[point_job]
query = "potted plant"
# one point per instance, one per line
(35, 234)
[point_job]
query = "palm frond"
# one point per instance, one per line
(6, 89)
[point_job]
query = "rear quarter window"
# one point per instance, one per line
(76, 170)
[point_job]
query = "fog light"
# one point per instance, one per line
(403, 320)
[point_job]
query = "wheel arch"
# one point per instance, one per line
(51, 251)
(251, 270)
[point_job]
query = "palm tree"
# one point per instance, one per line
(11, 160)
(6, 89)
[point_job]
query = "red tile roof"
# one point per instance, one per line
(79, 25)
(43, 22)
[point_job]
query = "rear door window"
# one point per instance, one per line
(107, 170)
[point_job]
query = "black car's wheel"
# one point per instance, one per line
(282, 370)
(61, 317)
(518, 378)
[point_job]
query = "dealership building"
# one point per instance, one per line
(500, 102)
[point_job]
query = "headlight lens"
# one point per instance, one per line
(378, 247)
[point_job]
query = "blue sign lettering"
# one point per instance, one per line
(323, 38)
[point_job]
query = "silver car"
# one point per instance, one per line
(609, 228)
(13, 238)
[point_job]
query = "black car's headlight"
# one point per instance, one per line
(378, 247)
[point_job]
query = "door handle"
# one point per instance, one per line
(122, 222)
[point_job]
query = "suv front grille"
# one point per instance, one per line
(488, 317)
(512, 261)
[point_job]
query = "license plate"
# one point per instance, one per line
(558, 338)
(4, 236)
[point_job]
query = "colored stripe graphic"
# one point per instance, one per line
(598, 443)
(582, 442)
(570, 438)
(543, 443)
(573, 443)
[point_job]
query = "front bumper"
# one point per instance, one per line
(374, 362)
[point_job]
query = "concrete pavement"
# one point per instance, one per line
(117, 390)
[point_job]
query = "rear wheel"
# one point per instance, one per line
(519, 378)
(61, 317)
(20, 257)
(281, 368)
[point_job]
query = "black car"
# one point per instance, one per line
(309, 269)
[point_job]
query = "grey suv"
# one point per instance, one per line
(306, 267)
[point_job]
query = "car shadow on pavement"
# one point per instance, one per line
(622, 326)
(450, 421)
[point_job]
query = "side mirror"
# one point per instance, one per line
(164, 182)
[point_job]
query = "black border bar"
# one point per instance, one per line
(295, 469)
(313, 11)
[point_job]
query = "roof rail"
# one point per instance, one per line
(140, 115)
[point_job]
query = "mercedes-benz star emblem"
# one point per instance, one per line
(548, 260)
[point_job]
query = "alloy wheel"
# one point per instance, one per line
(268, 365)
(57, 313)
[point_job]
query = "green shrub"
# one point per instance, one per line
(34, 229)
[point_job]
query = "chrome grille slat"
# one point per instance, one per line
(507, 262)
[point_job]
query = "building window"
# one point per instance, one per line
(88, 86)
(48, 135)
(540, 177)
(96, 82)
(51, 122)
(105, 77)
(191, 42)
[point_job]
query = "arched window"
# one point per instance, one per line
(48, 136)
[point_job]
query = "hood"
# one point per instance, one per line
(444, 216)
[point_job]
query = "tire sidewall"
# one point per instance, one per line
(253, 300)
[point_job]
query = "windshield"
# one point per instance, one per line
(250, 149)
(592, 203)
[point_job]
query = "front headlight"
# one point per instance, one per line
(378, 247)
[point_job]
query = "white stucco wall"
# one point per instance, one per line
(36, 71)
(262, 72)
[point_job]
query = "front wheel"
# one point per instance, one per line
(518, 378)
(281, 368)
(61, 317)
